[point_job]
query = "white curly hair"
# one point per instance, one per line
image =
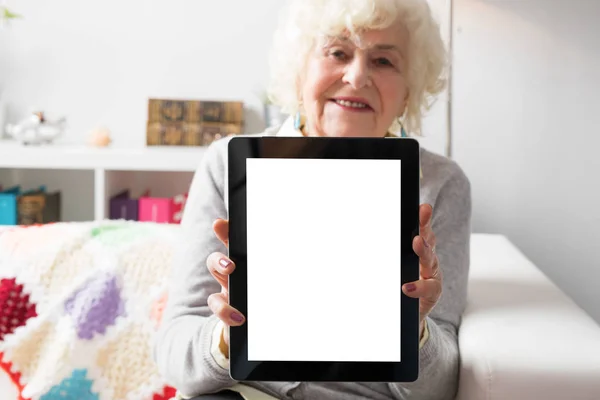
(304, 21)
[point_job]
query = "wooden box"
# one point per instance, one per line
(38, 207)
(192, 122)
(195, 111)
(188, 134)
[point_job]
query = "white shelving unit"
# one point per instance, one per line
(77, 170)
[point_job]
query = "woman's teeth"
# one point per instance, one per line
(350, 104)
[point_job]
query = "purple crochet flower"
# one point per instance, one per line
(95, 306)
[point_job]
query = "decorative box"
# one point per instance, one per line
(179, 202)
(8, 205)
(195, 111)
(192, 122)
(188, 134)
(122, 206)
(162, 210)
(38, 207)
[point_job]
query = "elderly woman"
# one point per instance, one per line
(340, 68)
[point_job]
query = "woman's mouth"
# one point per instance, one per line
(352, 104)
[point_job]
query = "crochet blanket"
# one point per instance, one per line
(79, 307)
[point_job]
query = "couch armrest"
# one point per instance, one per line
(521, 337)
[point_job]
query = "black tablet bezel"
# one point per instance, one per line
(407, 150)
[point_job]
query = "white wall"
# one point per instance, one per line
(526, 126)
(99, 62)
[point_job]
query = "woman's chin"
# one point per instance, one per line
(353, 126)
(353, 131)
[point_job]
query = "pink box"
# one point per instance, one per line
(162, 210)
(152, 209)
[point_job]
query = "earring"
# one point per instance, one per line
(297, 120)
(402, 130)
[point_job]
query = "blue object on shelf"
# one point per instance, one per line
(8, 205)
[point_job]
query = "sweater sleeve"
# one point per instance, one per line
(439, 356)
(182, 348)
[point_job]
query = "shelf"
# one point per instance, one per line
(88, 176)
(155, 158)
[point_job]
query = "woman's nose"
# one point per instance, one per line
(357, 73)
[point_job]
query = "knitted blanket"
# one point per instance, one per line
(79, 306)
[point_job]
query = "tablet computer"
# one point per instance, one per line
(321, 232)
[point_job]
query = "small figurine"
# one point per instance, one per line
(36, 129)
(100, 137)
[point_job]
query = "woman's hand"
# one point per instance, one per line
(220, 266)
(429, 287)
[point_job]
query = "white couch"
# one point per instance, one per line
(521, 336)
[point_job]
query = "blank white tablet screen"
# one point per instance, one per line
(323, 242)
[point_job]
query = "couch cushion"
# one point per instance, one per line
(521, 336)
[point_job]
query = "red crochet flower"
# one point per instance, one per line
(14, 377)
(15, 307)
(167, 393)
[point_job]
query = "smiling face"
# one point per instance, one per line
(354, 89)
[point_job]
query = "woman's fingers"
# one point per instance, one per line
(220, 266)
(218, 304)
(221, 228)
(425, 214)
(428, 260)
(424, 244)
(427, 290)
(225, 334)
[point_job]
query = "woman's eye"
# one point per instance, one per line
(339, 54)
(383, 61)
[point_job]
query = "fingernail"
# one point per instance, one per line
(237, 317)
(410, 287)
(225, 263)
(425, 242)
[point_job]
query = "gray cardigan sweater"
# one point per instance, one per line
(183, 345)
